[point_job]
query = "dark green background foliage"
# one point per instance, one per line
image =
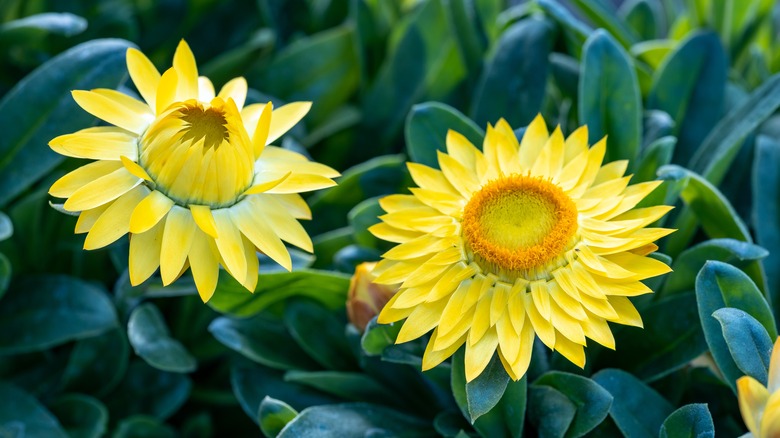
(688, 90)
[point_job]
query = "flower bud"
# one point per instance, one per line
(366, 298)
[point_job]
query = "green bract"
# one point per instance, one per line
(688, 91)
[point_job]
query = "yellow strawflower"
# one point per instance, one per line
(759, 404)
(189, 175)
(525, 239)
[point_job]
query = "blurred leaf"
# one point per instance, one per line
(82, 416)
(766, 217)
(609, 97)
(35, 421)
(550, 411)
(575, 29)
(653, 52)
(383, 175)
(426, 131)
(142, 426)
(716, 153)
(705, 204)
(351, 386)
(322, 68)
(655, 155)
(689, 421)
(361, 217)
(6, 227)
(637, 409)
(720, 285)
(591, 401)
(40, 107)
(151, 340)
(97, 364)
(423, 63)
(231, 63)
(38, 26)
(672, 337)
(377, 337)
(353, 420)
(689, 262)
(642, 18)
(656, 124)
(273, 415)
(598, 12)
(566, 73)
(748, 342)
(263, 339)
(329, 288)
(5, 274)
(484, 392)
(513, 83)
(149, 391)
(44, 311)
(319, 332)
(251, 384)
(690, 86)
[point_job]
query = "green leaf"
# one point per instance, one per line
(721, 285)
(149, 391)
(82, 416)
(550, 411)
(251, 384)
(22, 408)
(692, 420)
(705, 204)
(6, 227)
(351, 386)
(377, 337)
(766, 195)
(97, 364)
(513, 82)
(426, 131)
(273, 415)
(690, 86)
(322, 68)
(689, 262)
(353, 420)
(44, 311)
(151, 340)
(653, 52)
(591, 401)
(609, 98)
(655, 155)
(40, 107)
(672, 337)
(329, 288)
(263, 339)
(39, 26)
(576, 30)
(748, 342)
(361, 217)
(716, 153)
(383, 175)
(637, 409)
(642, 17)
(320, 333)
(484, 392)
(6, 273)
(596, 11)
(143, 426)
(423, 63)
(566, 73)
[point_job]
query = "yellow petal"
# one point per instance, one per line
(204, 264)
(144, 75)
(596, 328)
(176, 243)
(627, 313)
(461, 149)
(549, 162)
(753, 397)
(166, 91)
(204, 219)
(134, 168)
(187, 69)
(523, 360)
(229, 242)
(149, 212)
(459, 176)
(295, 205)
(422, 320)
(68, 184)
(570, 350)
(99, 143)
(297, 183)
(508, 338)
(102, 190)
(479, 354)
(87, 218)
(235, 89)
(205, 89)
(542, 327)
(533, 141)
(576, 143)
(115, 221)
(286, 227)
(285, 117)
(145, 253)
(261, 129)
(774, 368)
(431, 179)
(432, 357)
(261, 186)
(610, 171)
(770, 421)
(566, 325)
(252, 266)
(258, 230)
(115, 108)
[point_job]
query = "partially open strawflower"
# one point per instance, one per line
(366, 298)
(519, 240)
(759, 404)
(189, 175)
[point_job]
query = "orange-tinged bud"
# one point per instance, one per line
(366, 298)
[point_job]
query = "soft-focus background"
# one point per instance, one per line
(685, 89)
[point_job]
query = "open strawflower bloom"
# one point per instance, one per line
(521, 239)
(189, 174)
(759, 404)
